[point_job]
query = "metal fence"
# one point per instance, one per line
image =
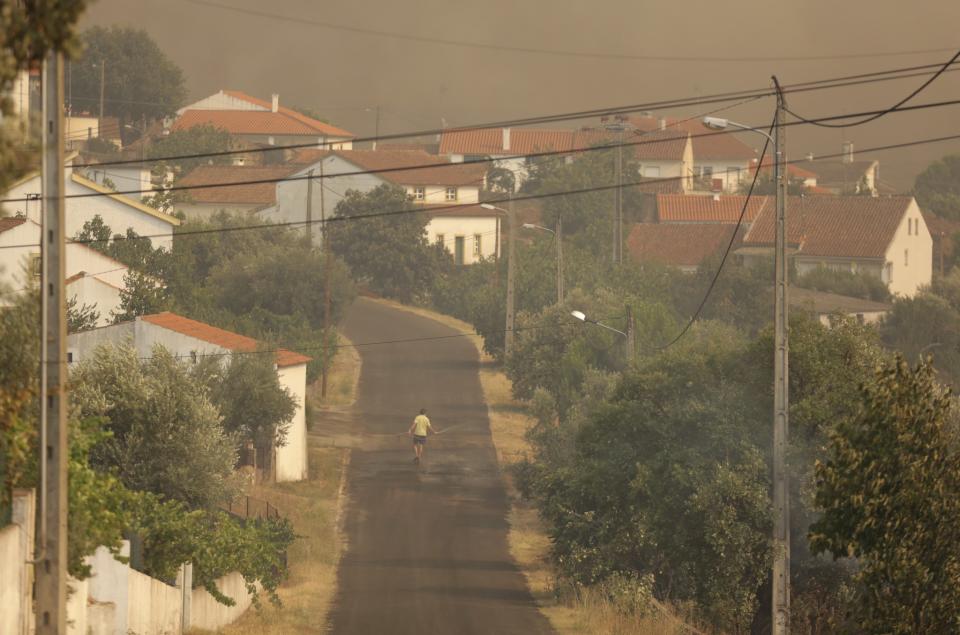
(247, 507)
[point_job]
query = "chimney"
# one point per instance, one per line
(275, 106)
(716, 197)
(846, 150)
(506, 138)
(662, 123)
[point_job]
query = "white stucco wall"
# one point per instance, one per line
(92, 291)
(910, 255)
(291, 458)
(11, 560)
(724, 169)
(203, 212)
(452, 226)
(125, 178)
(437, 195)
(117, 215)
(155, 606)
(110, 583)
(18, 247)
(208, 614)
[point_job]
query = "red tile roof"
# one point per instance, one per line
(246, 194)
(708, 145)
(667, 145)
(436, 170)
(329, 130)
(9, 223)
(835, 226)
(219, 337)
(677, 245)
(690, 208)
(256, 122)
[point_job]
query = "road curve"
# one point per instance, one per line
(426, 547)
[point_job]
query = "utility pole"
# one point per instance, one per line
(618, 229)
(511, 259)
(103, 66)
(631, 339)
(310, 206)
(376, 128)
(327, 263)
(559, 237)
(51, 562)
(781, 492)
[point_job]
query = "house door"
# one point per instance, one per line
(458, 250)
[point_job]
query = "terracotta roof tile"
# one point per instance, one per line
(246, 194)
(9, 223)
(689, 208)
(835, 226)
(256, 122)
(219, 337)
(316, 124)
(706, 146)
(678, 245)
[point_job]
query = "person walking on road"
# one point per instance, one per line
(419, 430)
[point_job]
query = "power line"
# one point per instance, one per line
(302, 20)
(824, 84)
(886, 111)
(533, 155)
(439, 208)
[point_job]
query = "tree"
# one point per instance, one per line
(81, 318)
(140, 81)
(890, 491)
(937, 188)
(388, 253)
(165, 435)
(202, 139)
(255, 407)
(140, 295)
(95, 234)
(925, 323)
(857, 285)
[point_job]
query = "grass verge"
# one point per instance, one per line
(590, 611)
(314, 507)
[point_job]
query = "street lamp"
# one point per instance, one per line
(511, 257)
(781, 357)
(558, 235)
(628, 335)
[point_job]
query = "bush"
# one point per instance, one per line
(856, 285)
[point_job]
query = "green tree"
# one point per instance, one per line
(388, 253)
(925, 324)
(140, 81)
(166, 435)
(140, 295)
(81, 318)
(255, 407)
(200, 139)
(890, 491)
(937, 188)
(857, 285)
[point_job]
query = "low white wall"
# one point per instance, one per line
(210, 615)
(154, 607)
(10, 570)
(77, 622)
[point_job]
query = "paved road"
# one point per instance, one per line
(426, 547)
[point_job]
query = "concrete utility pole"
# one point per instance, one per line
(631, 338)
(310, 207)
(511, 259)
(781, 492)
(327, 263)
(51, 562)
(103, 68)
(559, 259)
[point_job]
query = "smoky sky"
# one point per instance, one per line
(345, 75)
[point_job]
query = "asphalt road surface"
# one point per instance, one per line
(426, 546)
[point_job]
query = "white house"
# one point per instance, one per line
(719, 161)
(191, 340)
(257, 191)
(93, 278)
(449, 192)
(823, 306)
(260, 122)
(86, 199)
(885, 237)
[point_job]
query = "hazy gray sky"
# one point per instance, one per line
(345, 74)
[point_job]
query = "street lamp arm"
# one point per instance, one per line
(532, 226)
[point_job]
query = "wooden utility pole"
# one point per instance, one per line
(781, 491)
(631, 337)
(559, 237)
(511, 260)
(103, 75)
(51, 562)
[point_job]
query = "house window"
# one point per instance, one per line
(477, 252)
(419, 193)
(733, 175)
(451, 193)
(906, 257)
(458, 246)
(707, 171)
(652, 171)
(69, 357)
(440, 239)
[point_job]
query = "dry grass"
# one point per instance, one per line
(342, 378)
(312, 506)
